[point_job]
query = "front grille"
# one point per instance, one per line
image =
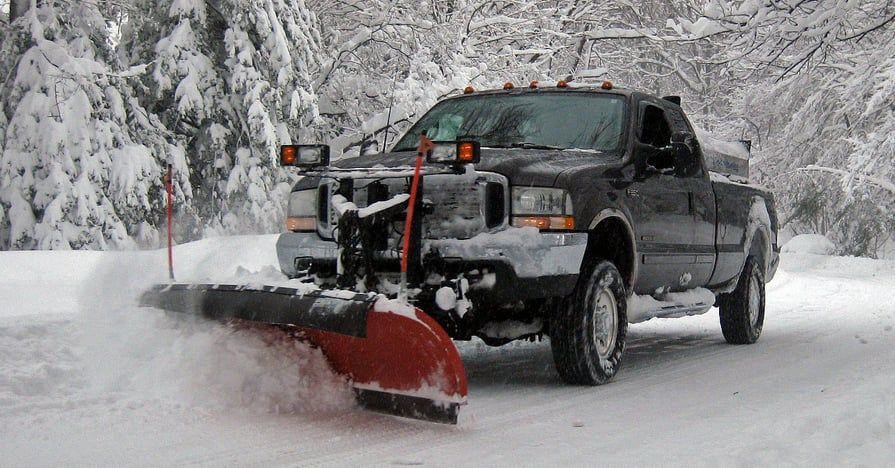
(460, 205)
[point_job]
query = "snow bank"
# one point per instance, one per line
(815, 244)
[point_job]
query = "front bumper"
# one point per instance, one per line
(525, 263)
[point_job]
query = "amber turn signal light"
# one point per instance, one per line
(563, 223)
(304, 156)
(288, 155)
(299, 224)
(466, 152)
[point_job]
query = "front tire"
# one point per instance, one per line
(587, 332)
(742, 310)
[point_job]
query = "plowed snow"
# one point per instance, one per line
(86, 378)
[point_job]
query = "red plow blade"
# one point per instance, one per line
(398, 359)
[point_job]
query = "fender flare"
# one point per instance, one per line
(614, 213)
(758, 222)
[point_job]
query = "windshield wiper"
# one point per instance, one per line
(526, 145)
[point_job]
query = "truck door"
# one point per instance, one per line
(661, 204)
(702, 206)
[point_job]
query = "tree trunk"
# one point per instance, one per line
(17, 8)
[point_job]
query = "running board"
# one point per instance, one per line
(677, 310)
(672, 305)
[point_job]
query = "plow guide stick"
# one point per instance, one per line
(425, 146)
(397, 358)
(169, 188)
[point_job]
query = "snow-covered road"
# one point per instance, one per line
(88, 379)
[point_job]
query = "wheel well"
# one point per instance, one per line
(759, 249)
(611, 240)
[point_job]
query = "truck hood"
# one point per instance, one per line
(536, 167)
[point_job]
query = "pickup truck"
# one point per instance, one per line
(587, 208)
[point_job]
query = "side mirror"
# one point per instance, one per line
(650, 161)
(685, 149)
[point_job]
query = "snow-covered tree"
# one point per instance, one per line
(231, 80)
(822, 82)
(78, 164)
(98, 96)
(271, 48)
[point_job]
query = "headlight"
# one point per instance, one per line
(301, 211)
(542, 207)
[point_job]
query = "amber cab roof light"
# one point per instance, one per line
(562, 84)
(606, 84)
(468, 90)
(508, 85)
(533, 84)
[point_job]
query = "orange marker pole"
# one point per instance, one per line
(169, 188)
(424, 147)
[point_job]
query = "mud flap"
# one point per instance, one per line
(398, 359)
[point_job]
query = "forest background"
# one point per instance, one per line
(98, 96)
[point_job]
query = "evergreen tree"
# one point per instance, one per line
(79, 156)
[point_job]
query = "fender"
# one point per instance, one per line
(759, 222)
(608, 213)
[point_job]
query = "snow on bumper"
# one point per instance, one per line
(530, 253)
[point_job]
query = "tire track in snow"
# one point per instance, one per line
(686, 364)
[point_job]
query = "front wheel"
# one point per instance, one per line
(742, 310)
(587, 332)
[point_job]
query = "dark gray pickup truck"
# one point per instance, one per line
(586, 208)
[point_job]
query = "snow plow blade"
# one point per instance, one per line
(398, 359)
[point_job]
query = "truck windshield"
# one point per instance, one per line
(571, 120)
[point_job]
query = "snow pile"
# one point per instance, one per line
(150, 354)
(38, 365)
(712, 143)
(816, 244)
(213, 365)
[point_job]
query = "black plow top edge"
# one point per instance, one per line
(327, 311)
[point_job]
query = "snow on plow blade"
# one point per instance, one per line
(398, 359)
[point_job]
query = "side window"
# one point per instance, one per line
(655, 131)
(679, 123)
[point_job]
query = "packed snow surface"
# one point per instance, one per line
(87, 378)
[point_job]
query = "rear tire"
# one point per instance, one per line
(587, 332)
(742, 310)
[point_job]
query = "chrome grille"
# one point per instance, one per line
(460, 204)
